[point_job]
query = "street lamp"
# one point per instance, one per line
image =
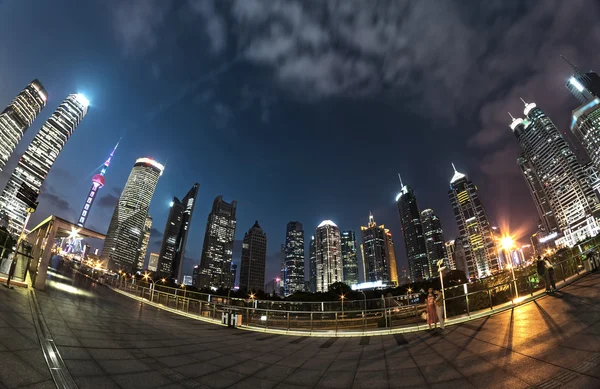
(441, 268)
(343, 297)
(507, 243)
(149, 279)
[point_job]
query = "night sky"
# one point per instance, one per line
(299, 110)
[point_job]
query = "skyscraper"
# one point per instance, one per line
(18, 116)
(172, 250)
(349, 257)
(153, 262)
(379, 255)
(97, 183)
(434, 239)
(328, 255)
(584, 86)
(126, 228)
(293, 259)
(254, 259)
(412, 231)
(39, 157)
(217, 249)
(481, 255)
(312, 270)
(144, 243)
(561, 176)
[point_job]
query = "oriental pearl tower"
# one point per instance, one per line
(97, 183)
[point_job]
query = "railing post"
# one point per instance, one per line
(214, 311)
(288, 321)
(200, 309)
(311, 322)
(467, 299)
(336, 323)
(490, 298)
(562, 270)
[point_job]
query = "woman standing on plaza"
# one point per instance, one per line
(431, 314)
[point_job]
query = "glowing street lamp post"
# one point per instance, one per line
(148, 278)
(507, 242)
(441, 268)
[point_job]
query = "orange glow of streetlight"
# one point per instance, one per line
(507, 242)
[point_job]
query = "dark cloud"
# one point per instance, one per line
(108, 201)
(155, 233)
(55, 202)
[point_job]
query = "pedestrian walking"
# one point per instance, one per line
(541, 270)
(439, 308)
(550, 272)
(431, 313)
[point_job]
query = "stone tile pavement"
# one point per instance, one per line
(110, 341)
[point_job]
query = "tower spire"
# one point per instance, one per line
(511, 116)
(575, 68)
(112, 153)
(524, 102)
(454, 167)
(400, 178)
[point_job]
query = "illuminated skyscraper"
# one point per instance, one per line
(328, 255)
(434, 239)
(97, 183)
(412, 230)
(254, 259)
(584, 86)
(292, 272)
(172, 250)
(379, 254)
(349, 257)
(18, 116)
(125, 234)
(481, 255)
(39, 157)
(217, 249)
(312, 258)
(144, 243)
(561, 178)
(153, 262)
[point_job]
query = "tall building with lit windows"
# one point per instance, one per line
(584, 86)
(481, 254)
(18, 117)
(434, 239)
(254, 259)
(312, 262)
(35, 164)
(379, 254)
(172, 250)
(126, 229)
(328, 255)
(292, 269)
(412, 230)
(144, 244)
(217, 250)
(349, 257)
(561, 179)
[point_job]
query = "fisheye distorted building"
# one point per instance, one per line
(35, 164)
(349, 257)
(434, 239)
(217, 250)
(312, 261)
(328, 256)
(172, 250)
(143, 249)
(292, 272)
(254, 259)
(378, 253)
(561, 179)
(481, 255)
(18, 116)
(126, 230)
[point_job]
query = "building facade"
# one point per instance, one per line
(412, 230)
(292, 269)
(153, 262)
(35, 164)
(254, 259)
(328, 256)
(434, 239)
(312, 261)
(562, 178)
(172, 250)
(349, 257)
(584, 86)
(217, 249)
(144, 243)
(378, 253)
(18, 116)
(481, 254)
(122, 246)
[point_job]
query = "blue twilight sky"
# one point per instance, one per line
(299, 110)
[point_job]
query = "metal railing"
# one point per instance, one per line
(19, 259)
(462, 301)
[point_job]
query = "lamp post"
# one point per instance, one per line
(364, 314)
(148, 278)
(441, 268)
(507, 242)
(342, 297)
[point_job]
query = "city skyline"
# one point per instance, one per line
(487, 148)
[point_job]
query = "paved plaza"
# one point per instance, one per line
(107, 340)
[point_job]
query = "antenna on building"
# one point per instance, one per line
(524, 102)
(575, 68)
(454, 167)
(511, 116)
(401, 184)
